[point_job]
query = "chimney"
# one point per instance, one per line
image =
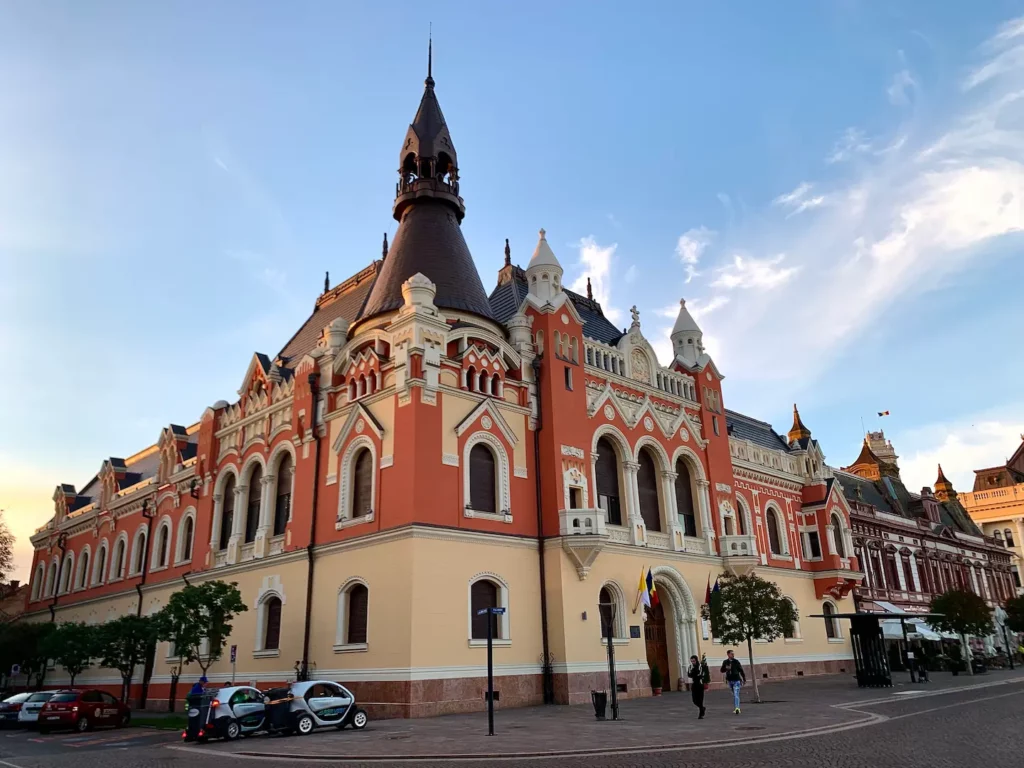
(15, 584)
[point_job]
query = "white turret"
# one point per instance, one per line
(687, 339)
(544, 273)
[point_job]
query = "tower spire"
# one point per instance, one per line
(508, 254)
(430, 55)
(384, 248)
(798, 431)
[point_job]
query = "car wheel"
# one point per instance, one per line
(232, 731)
(359, 720)
(125, 720)
(304, 725)
(83, 724)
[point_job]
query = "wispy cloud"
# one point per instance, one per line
(690, 248)
(900, 88)
(595, 262)
(750, 272)
(799, 200)
(851, 143)
(630, 275)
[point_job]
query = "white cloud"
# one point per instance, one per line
(1007, 54)
(852, 142)
(960, 448)
(630, 275)
(798, 201)
(691, 247)
(902, 81)
(595, 262)
(749, 272)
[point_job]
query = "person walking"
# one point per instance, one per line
(700, 678)
(735, 677)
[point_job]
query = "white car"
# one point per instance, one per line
(315, 704)
(29, 714)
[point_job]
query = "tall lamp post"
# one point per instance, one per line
(609, 635)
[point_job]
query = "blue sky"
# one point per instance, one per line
(837, 189)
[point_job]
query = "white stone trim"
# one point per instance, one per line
(66, 573)
(271, 587)
(504, 620)
(39, 581)
(620, 630)
(138, 551)
(179, 547)
(346, 487)
(154, 555)
(341, 629)
(835, 622)
(122, 539)
(501, 485)
(84, 559)
(225, 473)
(780, 528)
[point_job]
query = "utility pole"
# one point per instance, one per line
(490, 613)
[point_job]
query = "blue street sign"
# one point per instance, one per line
(234, 653)
(482, 611)
(497, 610)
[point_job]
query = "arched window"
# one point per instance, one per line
(117, 563)
(608, 607)
(471, 378)
(482, 479)
(51, 581)
(227, 514)
(163, 545)
(362, 483)
(252, 511)
(283, 505)
(647, 490)
(607, 478)
(831, 623)
(998, 535)
(187, 535)
(837, 533)
(793, 631)
(484, 594)
(39, 582)
(101, 564)
(774, 537)
(574, 350)
(483, 385)
(272, 624)
(82, 576)
(139, 553)
(1009, 537)
(684, 498)
(66, 574)
(357, 605)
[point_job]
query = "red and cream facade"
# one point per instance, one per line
(420, 449)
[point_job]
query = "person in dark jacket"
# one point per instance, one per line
(700, 678)
(735, 677)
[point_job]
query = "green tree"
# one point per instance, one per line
(6, 549)
(963, 613)
(29, 642)
(72, 645)
(123, 644)
(197, 621)
(1015, 615)
(749, 608)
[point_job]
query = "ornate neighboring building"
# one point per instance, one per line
(913, 546)
(420, 450)
(997, 505)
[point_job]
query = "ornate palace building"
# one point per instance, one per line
(914, 546)
(420, 450)
(997, 505)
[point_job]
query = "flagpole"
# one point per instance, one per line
(639, 589)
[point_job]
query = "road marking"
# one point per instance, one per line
(12, 765)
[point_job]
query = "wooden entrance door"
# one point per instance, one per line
(657, 643)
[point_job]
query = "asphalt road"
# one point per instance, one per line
(980, 727)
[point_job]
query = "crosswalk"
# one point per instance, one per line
(101, 739)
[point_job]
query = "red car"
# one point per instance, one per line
(81, 710)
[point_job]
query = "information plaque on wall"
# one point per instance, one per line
(634, 631)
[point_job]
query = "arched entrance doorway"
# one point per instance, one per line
(656, 637)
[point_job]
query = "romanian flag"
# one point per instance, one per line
(883, 413)
(642, 595)
(707, 594)
(652, 591)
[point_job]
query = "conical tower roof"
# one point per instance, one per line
(798, 431)
(684, 321)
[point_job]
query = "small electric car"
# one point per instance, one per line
(303, 707)
(28, 716)
(82, 710)
(227, 714)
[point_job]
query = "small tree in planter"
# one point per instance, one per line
(656, 680)
(749, 608)
(963, 613)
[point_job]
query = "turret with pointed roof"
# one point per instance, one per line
(687, 337)
(943, 488)
(429, 212)
(798, 431)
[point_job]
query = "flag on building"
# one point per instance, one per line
(883, 413)
(642, 595)
(652, 591)
(707, 594)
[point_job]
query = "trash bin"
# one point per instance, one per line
(600, 699)
(198, 708)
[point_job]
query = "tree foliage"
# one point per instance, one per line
(197, 620)
(124, 643)
(6, 549)
(72, 645)
(1015, 614)
(964, 613)
(28, 642)
(749, 608)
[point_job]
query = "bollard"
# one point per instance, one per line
(600, 699)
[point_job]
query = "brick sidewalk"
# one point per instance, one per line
(669, 720)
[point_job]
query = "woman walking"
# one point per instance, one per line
(700, 678)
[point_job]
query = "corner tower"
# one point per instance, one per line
(429, 212)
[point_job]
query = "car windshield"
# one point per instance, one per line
(44, 696)
(17, 698)
(64, 697)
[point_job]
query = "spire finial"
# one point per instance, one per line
(798, 431)
(508, 254)
(384, 248)
(327, 281)
(590, 291)
(430, 55)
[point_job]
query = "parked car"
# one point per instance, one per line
(10, 707)
(227, 714)
(28, 716)
(313, 704)
(82, 710)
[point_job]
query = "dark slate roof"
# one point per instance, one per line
(429, 240)
(189, 451)
(758, 432)
(344, 300)
(67, 487)
(264, 361)
(511, 289)
(178, 430)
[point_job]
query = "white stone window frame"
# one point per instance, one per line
(835, 622)
(667, 515)
(341, 630)
(805, 530)
(179, 539)
(66, 573)
(223, 476)
(52, 574)
(283, 449)
(241, 520)
(501, 485)
(797, 634)
(81, 579)
(154, 555)
(99, 573)
(699, 490)
(259, 651)
(744, 508)
(346, 488)
(504, 619)
(121, 539)
(620, 630)
(138, 552)
(780, 528)
(39, 582)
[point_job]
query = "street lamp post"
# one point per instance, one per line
(609, 636)
(490, 613)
